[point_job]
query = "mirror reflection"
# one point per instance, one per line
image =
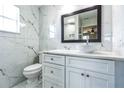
(81, 26)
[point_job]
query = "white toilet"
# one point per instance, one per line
(31, 73)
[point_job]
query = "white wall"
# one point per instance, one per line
(14, 54)
(51, 15)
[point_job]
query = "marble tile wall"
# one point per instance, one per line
(14, 53)
(118, 28)
(51, 15)
(35, 23)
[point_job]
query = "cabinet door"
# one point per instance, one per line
(75, 78)
(98, 80)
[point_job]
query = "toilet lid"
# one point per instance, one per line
(33, 67)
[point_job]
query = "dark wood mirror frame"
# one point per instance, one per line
(99, 16)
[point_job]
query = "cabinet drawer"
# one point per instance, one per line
(103, 66)
(54, 72)
(54, 59)
(52, 84)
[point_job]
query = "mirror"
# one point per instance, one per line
(82, 24)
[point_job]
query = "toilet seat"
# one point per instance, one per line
(33, 67)
(32, 74)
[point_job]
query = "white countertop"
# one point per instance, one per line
(77, 53)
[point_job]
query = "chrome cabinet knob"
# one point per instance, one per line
(88, 75)
(51, 71)
(82, 74)
(51, 58)
(52, 87)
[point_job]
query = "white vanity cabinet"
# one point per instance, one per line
(77, 78)
(53, 71)
(99, 80)
(89, 73)
(71, 70)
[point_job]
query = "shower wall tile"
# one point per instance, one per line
(14, 51)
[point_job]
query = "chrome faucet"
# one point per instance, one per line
(87, 39)
(66, 48)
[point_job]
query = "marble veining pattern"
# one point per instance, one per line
(14, 53)
(35, 22)
(51, 15)
(118, 28)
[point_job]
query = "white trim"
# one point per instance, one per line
(16, 20)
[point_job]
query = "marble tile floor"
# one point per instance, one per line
(23, 85)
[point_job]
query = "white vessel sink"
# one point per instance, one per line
(87, 49)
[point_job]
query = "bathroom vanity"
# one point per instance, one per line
(74, 69)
